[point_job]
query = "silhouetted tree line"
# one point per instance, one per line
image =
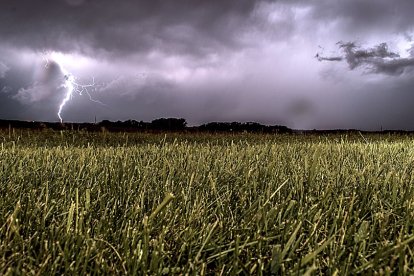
(243, 127)
(163, 124)
(176, 125)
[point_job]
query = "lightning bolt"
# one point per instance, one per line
(68, 84)
(72, 87)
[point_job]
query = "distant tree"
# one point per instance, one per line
(105, 123)
(169, 124)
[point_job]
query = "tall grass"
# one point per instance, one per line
(84, 203)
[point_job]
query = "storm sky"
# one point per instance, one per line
(306, 64)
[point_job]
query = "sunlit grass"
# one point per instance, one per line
(79, 203)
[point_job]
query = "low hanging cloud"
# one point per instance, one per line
(47, 88)
(378, 60)
(322, 58)
(3, 69)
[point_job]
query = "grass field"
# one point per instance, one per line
(102, 203)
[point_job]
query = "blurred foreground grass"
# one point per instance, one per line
(102, 203)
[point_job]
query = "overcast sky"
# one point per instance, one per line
(305, 64)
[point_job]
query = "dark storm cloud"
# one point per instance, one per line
(357, 16)
(207, 59)
(378, 59)
(387, 105)
(357, 57)
(123, 27)
(9, 108)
